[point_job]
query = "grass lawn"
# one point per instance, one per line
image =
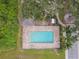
(31, 54)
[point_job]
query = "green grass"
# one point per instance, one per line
(32, 54)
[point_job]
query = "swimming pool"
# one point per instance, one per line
(42, 37)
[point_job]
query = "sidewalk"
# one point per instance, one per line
(73, 52)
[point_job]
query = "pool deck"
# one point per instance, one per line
(26, 41)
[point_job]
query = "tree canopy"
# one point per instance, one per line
(40, 9)
(8, 23)
(46, 9)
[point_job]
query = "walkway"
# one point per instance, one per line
(72, 53)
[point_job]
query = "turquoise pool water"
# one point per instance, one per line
(42, 37)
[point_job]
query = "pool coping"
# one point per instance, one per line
(26, 41)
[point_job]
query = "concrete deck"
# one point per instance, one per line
(26, 41)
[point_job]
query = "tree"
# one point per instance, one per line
(8, 23)
(46, 9)
(40, 9)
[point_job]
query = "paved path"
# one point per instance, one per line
(72, 53)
